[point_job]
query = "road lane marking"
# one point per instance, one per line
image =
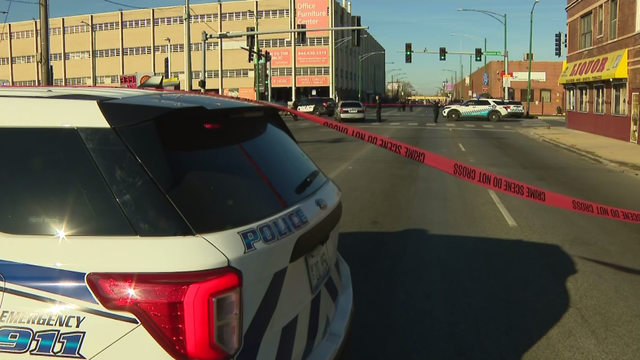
(507, 127)
(502, 209)
(413, 124)
(461, 147)
(469, 125)
(487, 126)
(394, 124)
(431, 124)
(451, 124)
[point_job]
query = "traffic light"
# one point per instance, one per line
(408, 52)
(565, 40)
(301, 37)
(267, 56)
(559, 44)
(478, 54)
(443, 53)
(251, 42)
(356, 34)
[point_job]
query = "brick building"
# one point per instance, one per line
(602, 76)
(546, 93)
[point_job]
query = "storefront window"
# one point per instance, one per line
(545, 95)
(523, 95)
(583, 99)
(599, 99)
(571, 99)
(619, 101)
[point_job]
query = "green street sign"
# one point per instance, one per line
(493, 53)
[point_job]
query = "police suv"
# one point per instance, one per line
(493, 110)
(139, 224)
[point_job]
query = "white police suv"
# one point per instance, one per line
(493, 110)
(139, 224)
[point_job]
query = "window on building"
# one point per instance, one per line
(613, 15)
(571, 99)
(545, 95)
(586, 24)
(523, 95)
(638, 17)
(599, 106)
(619, 99)
(583, 99)
(600, 20)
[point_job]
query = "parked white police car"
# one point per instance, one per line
(138, 224)
(482, 108)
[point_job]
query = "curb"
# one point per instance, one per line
(622, 167)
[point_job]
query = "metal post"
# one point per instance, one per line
(269, 77)
(220, 64)
(93, 55)
(360, 80)
(506, 60)
(44, 47)
(470, 72)
(391, 86)
(169, 55)
(530, 57)
(485, 55)
(203, 73)
(187, 48)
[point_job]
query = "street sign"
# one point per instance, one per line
(493, 53)
(485, 79)
(485, 89)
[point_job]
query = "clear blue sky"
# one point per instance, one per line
(424, 23)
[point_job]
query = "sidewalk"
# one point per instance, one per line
(611, 152)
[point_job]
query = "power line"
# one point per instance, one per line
(121, 4)
(22, 2)
(6, 16)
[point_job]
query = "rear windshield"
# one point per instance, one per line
(514, 103)
(351, 104)
(224, 169)
(309, 101)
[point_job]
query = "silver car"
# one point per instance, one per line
(350, 110)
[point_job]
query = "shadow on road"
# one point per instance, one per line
(425, 296)
(342, 139)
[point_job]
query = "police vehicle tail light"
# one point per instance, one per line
(194, 315)
(324, 104)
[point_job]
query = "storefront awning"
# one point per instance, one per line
(604, 67)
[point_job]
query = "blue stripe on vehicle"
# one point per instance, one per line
(72, 307)
(56, 281)
(260, 322)
(314, 324)
(332, 289)
(287, 339)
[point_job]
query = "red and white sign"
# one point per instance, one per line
(314, 14)
(280, 57)
(281, 81)
(312, 81)
(312, 56)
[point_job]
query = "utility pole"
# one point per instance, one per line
(187, 48)
(44, 47)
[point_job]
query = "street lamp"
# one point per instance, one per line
(94, 52)
(363, 57)
(339, 43)
(168, 40)
(477, 38)
(454, 82)
(530, 50)
(502, 18)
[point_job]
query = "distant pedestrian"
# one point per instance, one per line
(294, 106)
(404, 105)
(436, 111)
(378, 109)
(411, 106)
(399, 105)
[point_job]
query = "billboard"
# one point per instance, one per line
(281, 81)
(524, 76)
(313, 13)
(312, 56)
(312, 81)
(280, 57)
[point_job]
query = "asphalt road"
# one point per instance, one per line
(445, 269)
